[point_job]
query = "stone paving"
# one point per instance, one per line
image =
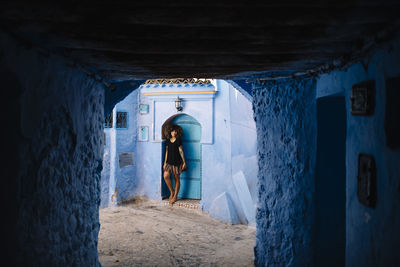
(153, 233)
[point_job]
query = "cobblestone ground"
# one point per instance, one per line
(150, 233)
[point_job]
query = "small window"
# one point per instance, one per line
(122, 120)
(108, 121)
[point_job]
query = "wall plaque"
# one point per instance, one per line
(125, 159)
(143, 108)
(366, 180)
(143, 133)
(363, 98)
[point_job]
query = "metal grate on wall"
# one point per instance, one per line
(108, 121)
(122, 120)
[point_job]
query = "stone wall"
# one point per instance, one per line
(285, 114)
(59, 134)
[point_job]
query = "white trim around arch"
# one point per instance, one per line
(199, 106)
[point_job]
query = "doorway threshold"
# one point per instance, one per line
(192, 204)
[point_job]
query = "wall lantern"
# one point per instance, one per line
(178, 104)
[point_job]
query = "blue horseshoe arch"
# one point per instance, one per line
(190, 179)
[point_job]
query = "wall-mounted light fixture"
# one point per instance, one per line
(178, 104)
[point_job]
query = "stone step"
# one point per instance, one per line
(193, 204)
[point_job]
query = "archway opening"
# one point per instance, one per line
(219, 143)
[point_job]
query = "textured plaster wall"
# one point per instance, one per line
(60, 156)
(217, 164)
(120, 184)
(126, 142)
(285, 114)
(243, 139)
(372, 235)
(107, 183)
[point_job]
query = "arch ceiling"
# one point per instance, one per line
(128, 40)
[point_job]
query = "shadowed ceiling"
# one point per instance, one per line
(126, 40)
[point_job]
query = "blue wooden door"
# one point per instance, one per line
(191, 178)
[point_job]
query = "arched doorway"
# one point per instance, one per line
(190, 179)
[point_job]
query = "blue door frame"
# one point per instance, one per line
(190, 179)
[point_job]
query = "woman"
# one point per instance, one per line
(174, 162)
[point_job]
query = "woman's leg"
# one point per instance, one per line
(177, 186)
(167, 180)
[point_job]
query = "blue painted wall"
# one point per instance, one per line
(285, 112)
(57, 112)
(109, 136)
(372, 235)
(126, 181)
(286, 124)
(243, 139)
(119, 184)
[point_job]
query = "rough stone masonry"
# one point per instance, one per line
(285, 114)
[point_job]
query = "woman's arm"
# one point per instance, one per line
(182, 156)
(166, 156)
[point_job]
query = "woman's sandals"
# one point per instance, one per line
(172, 199)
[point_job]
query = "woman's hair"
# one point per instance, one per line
(170, 127)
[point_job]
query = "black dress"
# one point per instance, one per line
(173, 157)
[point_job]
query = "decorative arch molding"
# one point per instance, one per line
(197, 103)
(170, 119)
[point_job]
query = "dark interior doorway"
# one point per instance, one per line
(330, 182)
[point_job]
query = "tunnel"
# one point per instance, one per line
(324, 80)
